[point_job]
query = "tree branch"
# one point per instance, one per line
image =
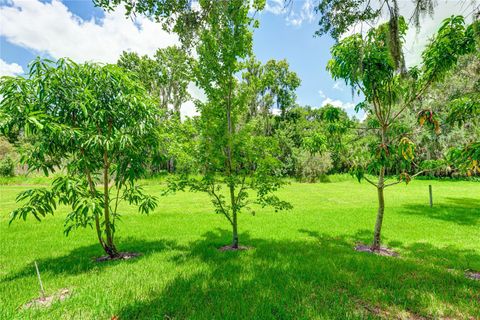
(220, 204)
(370, 181)
(406, 104)
(412, 177)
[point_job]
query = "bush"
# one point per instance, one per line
(313, 167)
(5, 147)
(7, 167)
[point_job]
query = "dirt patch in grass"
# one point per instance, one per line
(231, 248)
(120, 256)
(377, 311)
(45, 302)
(383, 251)
(387, 313)
(473, 275)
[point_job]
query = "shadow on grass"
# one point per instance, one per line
(463, 211)
(319, 277)
(82, 259)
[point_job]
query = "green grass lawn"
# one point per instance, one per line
(303, 265)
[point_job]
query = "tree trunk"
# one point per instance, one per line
(233, 202)
(170, 165)
(235, 230)
(99, 233)
(381, 210)
(109, 245)
(381, 200)
(231, 184)
(98, 229)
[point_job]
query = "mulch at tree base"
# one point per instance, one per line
(120, 256)
(383, 251)
(45, 302)
(473, 275)
(230, 248)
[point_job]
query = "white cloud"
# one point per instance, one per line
(293, 15)
(50, 28)
(189, 109)
(417, 39)
(339, 86)
(306, 14)
(10, 69)
(276, 111)
(275, 6)
(322, 94)
(338, 103)
(363, 117)
(349, 107)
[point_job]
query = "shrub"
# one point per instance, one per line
(7, 167)
(313, 167)
(5, 147)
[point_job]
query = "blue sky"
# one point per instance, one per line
(76, 29)
(306, 54)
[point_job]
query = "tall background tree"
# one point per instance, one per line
(95, 127)
(269, 86)
(463, 106)
(166, 76)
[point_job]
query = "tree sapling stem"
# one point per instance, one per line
(431, 195)
(40, 280)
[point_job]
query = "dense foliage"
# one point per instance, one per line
(99, 129)
(109, 125)
(165, 76)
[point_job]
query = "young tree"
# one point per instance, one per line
(94, 126)
(229, 153)
(366, 64)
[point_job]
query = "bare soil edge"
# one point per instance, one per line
(383, 251)
(473, 275)
(231, 248)
(119, 256)
(47, 301)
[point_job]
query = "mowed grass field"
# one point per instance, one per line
(303, 265)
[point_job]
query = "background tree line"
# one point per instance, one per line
(272, 106)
